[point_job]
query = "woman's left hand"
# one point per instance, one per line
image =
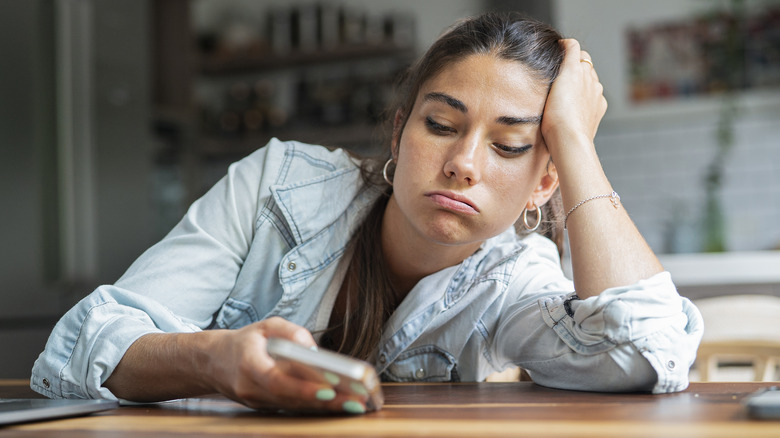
(575, 104)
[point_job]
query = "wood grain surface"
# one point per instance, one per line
(447, 410)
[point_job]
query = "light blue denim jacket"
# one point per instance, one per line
(266, 241)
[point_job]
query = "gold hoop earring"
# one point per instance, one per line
(538, 219)
(384, 172)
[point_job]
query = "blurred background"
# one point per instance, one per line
(115, 115)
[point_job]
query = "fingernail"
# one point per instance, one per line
(325, 394)
(353, 407)
(358, 388)
(331, 378)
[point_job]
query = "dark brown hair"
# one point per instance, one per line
(371, 297)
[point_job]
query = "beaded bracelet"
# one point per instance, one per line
(615, 198)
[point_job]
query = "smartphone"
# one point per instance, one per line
(345, 374)
(764, 403)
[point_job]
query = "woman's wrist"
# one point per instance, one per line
(205, 364)
(571, 151)
(562, 140)
(162, 366)
(580, 174)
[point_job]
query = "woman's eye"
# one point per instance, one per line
(512, 151)
(437, 128)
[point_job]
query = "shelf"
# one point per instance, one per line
(181, 116)
(360, 138)
(193, 89)
(213, 65)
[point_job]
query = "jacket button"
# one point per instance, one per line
(46, 383)
(670, 364)
(291, 266)
(420, 373)
(382, 358)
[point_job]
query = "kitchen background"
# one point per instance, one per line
(115, 115)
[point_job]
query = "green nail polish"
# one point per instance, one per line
(353, 407)
(331, 378)
(326, 394)
(358, 388)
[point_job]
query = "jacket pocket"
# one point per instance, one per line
(235, 314)
(428, 363)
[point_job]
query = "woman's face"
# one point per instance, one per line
(471, 154)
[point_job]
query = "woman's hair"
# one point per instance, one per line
(511, 36)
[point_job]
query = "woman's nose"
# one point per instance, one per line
(464, 163)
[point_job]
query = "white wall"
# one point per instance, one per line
(656, 154)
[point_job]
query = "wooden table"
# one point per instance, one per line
(446, 410)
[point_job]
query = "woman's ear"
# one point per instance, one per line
(398, 127)
(548, 183)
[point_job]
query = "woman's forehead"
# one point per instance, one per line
(485, 79)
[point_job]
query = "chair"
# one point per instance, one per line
(740, 329)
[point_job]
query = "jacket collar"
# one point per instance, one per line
(442, 290)
(312, 205)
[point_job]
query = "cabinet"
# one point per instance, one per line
(74, 161)
(222, 93)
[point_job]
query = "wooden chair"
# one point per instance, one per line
(740, 329)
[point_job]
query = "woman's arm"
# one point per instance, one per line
(176, 286)
(639, 337)
(606, 248)
(142, 338)
(235, 363)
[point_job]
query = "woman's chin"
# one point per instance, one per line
(452, 233)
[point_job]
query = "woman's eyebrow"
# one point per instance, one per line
(511, 121)
(460, 106)
(449, 100)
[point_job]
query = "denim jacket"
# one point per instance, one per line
(266, 241)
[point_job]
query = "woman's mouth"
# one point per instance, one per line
(453, 201)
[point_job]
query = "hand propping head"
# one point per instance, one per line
(576, 103)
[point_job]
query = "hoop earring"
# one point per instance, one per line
(538, 219)
(384, 172)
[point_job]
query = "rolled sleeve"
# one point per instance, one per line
(176, 286)
(650, 317)
(90, 340)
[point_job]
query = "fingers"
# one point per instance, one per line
(277, 327)
(295, 393)
(572, 49)
(275, 388)
(575, 55)
(263, 382)
(576, 103)
(586, 60)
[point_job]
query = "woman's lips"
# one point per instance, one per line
(453, 201)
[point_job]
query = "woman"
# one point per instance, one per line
(415, 266)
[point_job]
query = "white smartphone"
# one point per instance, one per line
(764, 403)
(344, 373)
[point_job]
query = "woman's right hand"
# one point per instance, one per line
(241, 369)
(165, 366)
